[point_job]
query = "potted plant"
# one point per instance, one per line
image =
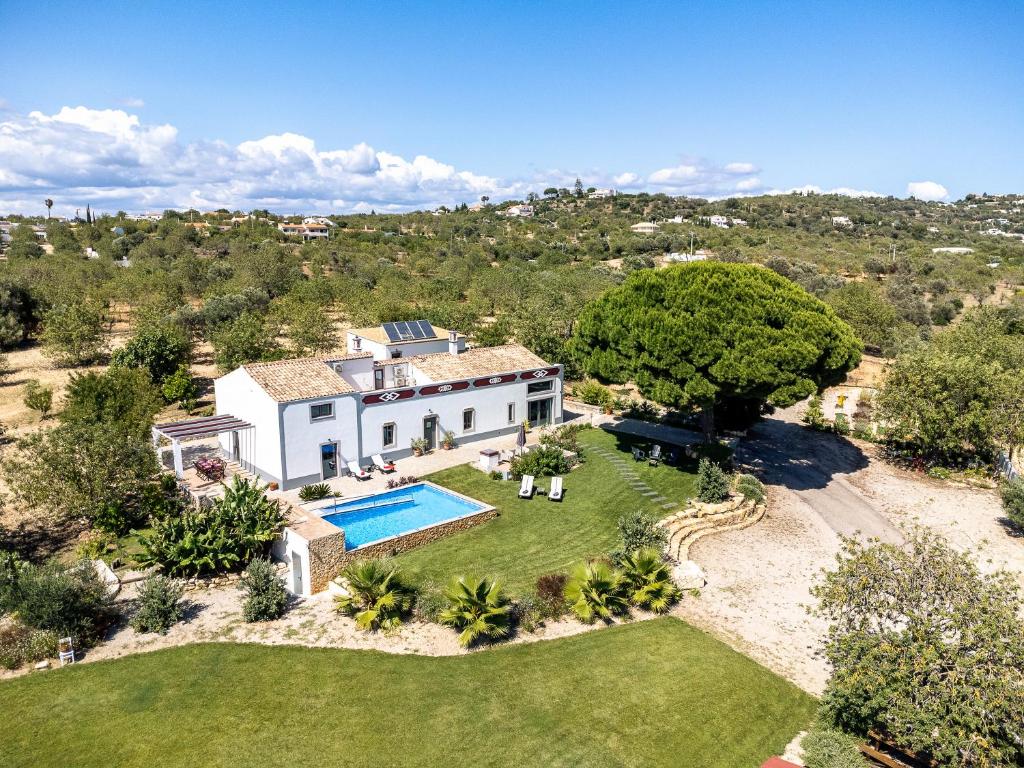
(419, 446)
(448, 441)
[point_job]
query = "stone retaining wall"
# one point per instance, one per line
(408, 541)
(326, 559)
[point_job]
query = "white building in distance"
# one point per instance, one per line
(645, 228)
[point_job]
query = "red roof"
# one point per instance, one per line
(778, 762)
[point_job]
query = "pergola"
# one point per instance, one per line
(190, 429)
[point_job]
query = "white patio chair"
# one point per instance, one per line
(357, 472)
(555, 493)
(526, 487)
(66, 651)
(381, 464)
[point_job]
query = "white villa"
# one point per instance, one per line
(300, 421)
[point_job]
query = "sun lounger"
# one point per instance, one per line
(357, 472)
(555, 493)
(526, 487)
(383, 466)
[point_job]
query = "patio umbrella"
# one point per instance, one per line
(521, 438)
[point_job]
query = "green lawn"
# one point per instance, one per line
(534, 537)
(652, 693)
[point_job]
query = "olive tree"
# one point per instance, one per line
(715, 336)
(926, 648)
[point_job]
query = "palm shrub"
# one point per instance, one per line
(377, 597)
(265, 595)
(750, 488)
(314, 492)
(479, 608)
(712, 482)
(648, 580)
(596, 590)
(226, 536)
(160, 606)
(1013, 502)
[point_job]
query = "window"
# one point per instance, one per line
(389, 435)
(396, 353)
(321, 411)
(511, 413)
(540, 386)
(468, 419)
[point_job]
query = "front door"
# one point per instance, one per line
(539, 412)
(430, 432)
(328, 460)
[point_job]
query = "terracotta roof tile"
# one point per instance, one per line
(303, 378)
(480, 361)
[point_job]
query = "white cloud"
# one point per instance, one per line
(132, 102)
(113, 160)
(927, 190)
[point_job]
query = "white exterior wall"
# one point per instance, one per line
(239, 395)
(407, 348)
(303, 438)
(491, 418)
(287, 549)
(358, 373)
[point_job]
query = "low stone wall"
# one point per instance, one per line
(408, 541)
(326, 559)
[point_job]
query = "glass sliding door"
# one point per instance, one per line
(539, 412)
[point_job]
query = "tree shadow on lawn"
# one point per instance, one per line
(801, 459)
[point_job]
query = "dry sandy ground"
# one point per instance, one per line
(215, 615)
(759, 579)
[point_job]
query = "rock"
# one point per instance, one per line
(44, 664)
(689, 575)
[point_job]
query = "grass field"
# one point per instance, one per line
(648, 694)
(534, 537)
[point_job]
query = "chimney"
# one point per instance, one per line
(357, 344)
(453, 343)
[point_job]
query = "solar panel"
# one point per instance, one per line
(408, 331)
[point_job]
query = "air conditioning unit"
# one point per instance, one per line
(402, 381)
(338, 368)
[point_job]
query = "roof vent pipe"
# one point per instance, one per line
(453, 343)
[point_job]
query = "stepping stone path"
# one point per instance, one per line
(630, 475)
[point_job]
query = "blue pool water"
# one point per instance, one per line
(392, 513)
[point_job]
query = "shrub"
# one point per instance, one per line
(180, 387)
(265, 595)
(550, 591)
(38, 397)
(545, 461)
(814, 416)
(314, 492)
(71, 601)
(639, 530)
(712, 482)
(398, 482)
(648, 581)
(596, 590)
(223, 537)
(841, 424)
(430, 604)
(593, 393)
(644, 410)
(830, 748)
(120, 397)
(160, 606)
(479, 608)
(377, 598)
(73, 333)
(750, 488)
(22, 645)
(566, 437)
(494, 474)
(94, 544)
(1013, 502)
(160, 349)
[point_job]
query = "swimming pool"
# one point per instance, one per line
(394, 513)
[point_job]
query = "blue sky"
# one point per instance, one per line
(503, 98)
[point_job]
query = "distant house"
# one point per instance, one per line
(600, 194)
(956, 250)
(842, 222)
(738, 222)
(305, 231)
(722, 222)
(522, 211)
(645, 228)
